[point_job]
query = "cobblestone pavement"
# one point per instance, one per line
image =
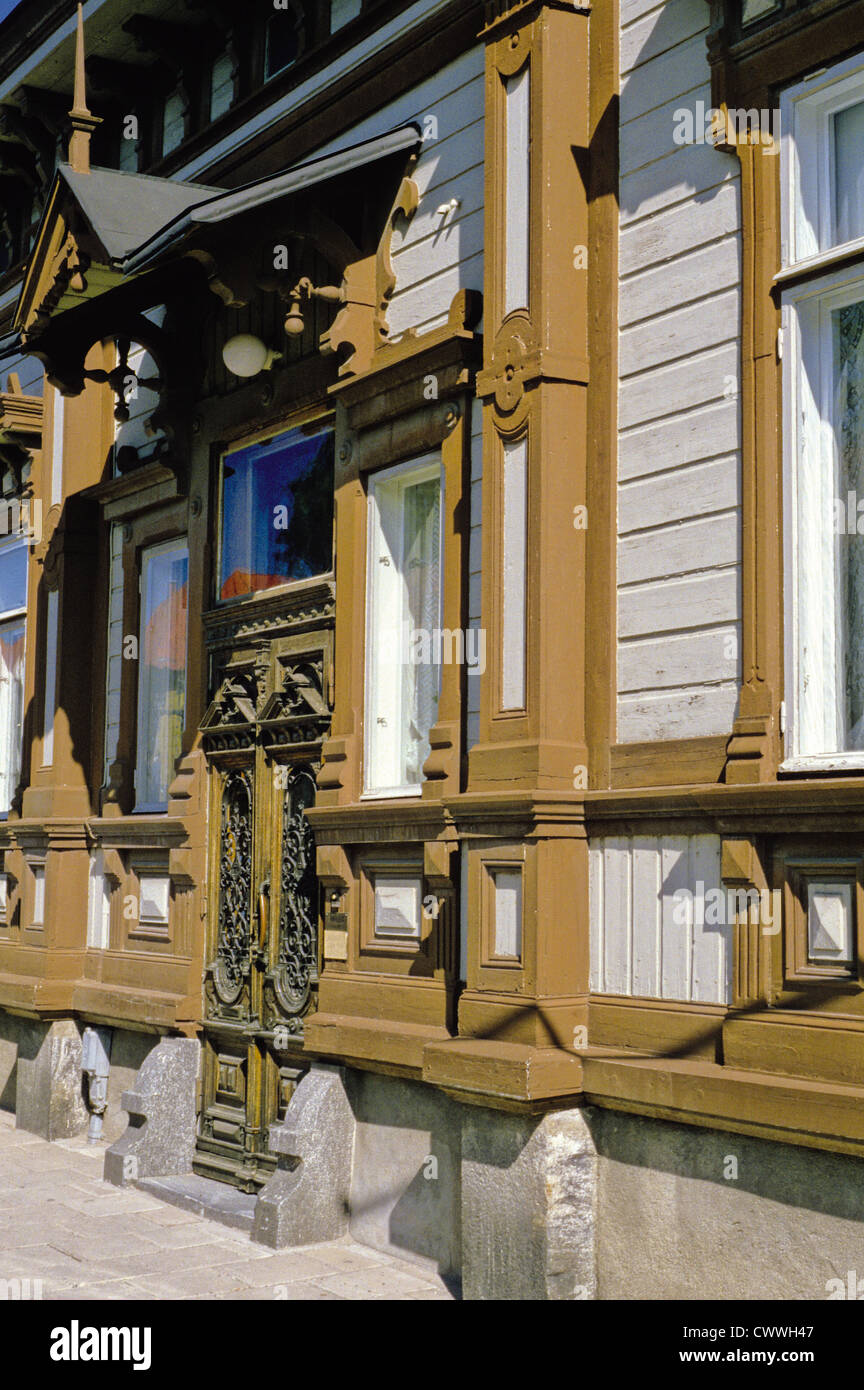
(84, 1239)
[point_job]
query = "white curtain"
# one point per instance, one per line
(11, 708)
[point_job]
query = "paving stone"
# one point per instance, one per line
(60, 1223)
(374, 1283)
(284, 1268)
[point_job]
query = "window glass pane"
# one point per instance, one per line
(405, 641)
(755, 9)
(13, 578)
(221, 85)
(849, 172)
(11, 708)
(277, 513)
(162, 664)
(173, 122)
(283, 41)
(848, 323)
(342, 12)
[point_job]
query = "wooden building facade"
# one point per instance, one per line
(429, 724)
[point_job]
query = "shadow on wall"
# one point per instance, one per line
(404, 1127)
(686, 1213)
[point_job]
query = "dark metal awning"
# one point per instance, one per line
(216, 207)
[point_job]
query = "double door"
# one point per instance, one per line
(262, 738)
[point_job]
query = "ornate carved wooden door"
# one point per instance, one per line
(262, 734)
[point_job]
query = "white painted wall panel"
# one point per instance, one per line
(648, 937)
(679, 385)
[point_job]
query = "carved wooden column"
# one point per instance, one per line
(522, 815)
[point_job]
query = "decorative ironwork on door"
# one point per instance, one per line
(296, 974)
(262, 736)
(232, 963)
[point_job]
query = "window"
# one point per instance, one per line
(751, 10)
(277, 512)
(13, 603)
(342, 12)
(823, 360)
(284, 39)
(403, 637)
(162, 671)
(221, 85)
(173, 121)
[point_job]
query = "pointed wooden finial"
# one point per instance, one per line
(82, 121)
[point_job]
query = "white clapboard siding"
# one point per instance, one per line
(651, 84)
(685, 171)
(652, 665)
(682, 492)
(433, 256)
(654, 343)
(645, 35)
(684, 548)
(115, 648)
(697, 712)
(681, 439)
(712, 223)
(679, 388)
(648, 938)
(701, 375)
(700, 601)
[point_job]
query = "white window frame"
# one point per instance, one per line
(411, 472)
(818, 277)
(807, 160)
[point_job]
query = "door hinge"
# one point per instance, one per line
(782, 716)
(780, 344)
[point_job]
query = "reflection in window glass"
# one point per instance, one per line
(13, 578)
(849, 406)
(13, 601)
(11, 708)
(277, 512)
(849, 172)
(162, 670)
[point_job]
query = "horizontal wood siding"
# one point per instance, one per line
(679, 549)
(436, 256)
(650, 937)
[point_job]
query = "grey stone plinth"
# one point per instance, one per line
(49, 1099)
(307, 1199)
(528, 1206)
(160, 1137)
